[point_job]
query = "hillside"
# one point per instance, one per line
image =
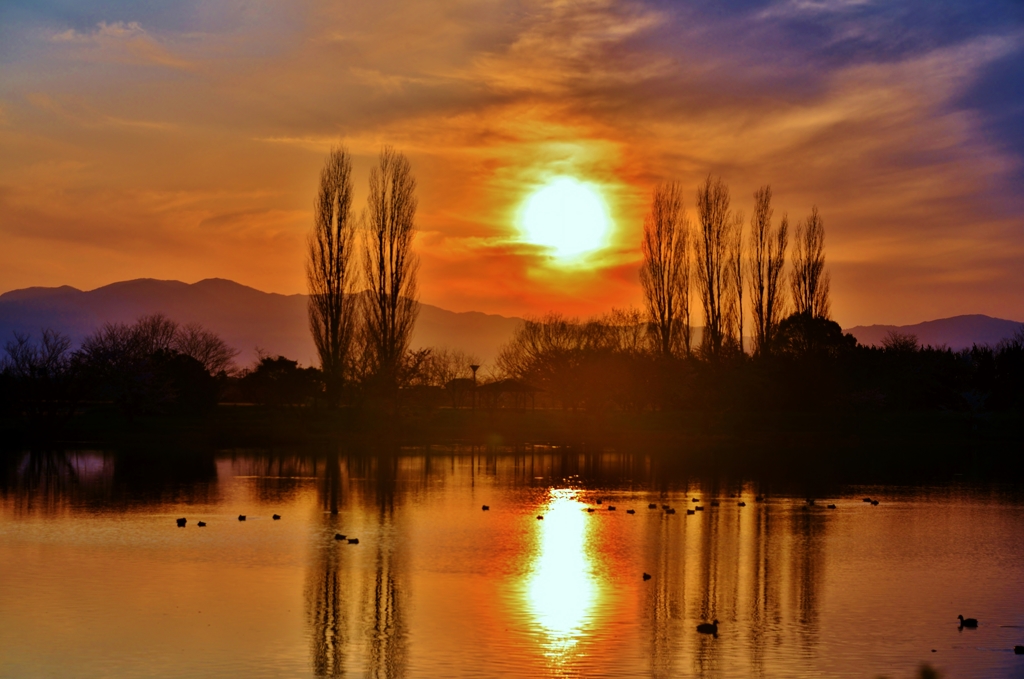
(958, 332)
(245, 317)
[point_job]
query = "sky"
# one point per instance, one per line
(141, 138)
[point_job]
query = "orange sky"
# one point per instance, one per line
(186, 144)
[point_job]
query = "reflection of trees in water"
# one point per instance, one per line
(278, 477)
(808, 533)
(354, 594)
(40, 480)
(48, 480)
(746, 569)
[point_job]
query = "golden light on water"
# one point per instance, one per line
(568, 217)
(562, 589)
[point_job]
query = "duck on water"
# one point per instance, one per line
(708, 628)
(967, 622)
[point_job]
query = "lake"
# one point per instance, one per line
(97, 580)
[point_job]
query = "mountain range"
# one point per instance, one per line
(247, 319)
(251, 320)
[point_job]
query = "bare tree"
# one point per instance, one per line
(329, 274)
(205, 346)
(665, 273)
(715, 281)
(810, 281)
(736, 271)
(766, 261)
(390, 306)
(444, 364)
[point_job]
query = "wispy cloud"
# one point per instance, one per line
(196, 144)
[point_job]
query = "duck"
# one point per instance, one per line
(874, 503)
(241, 517)
(599, 501)
(741, 504)
(611, 508)
(652, 506)
(540, 518)
(339, 536)
(590, 510)
(670, 511)
(201, 524)
(696, 499)
(831, 506)
(759, 498)
(690, 511)
(353, 541)
(631, 511)
(276, 517)
(714, 503)
(708, 627)
(486, 508)
(967, 622)
(182, 522)
(1019, 650)
(647, 576)
(699, 508)
(867, 499)
(664, 506)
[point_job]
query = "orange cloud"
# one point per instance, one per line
(194, 152)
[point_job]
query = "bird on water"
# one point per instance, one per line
(708, 627)
(276, 517)
(181, 523)
(967, 622)
(647, 576)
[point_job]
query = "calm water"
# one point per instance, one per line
(97, 581)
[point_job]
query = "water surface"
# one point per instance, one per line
(96, 580)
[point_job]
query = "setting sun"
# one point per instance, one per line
(567, 216)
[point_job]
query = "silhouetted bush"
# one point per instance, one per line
(280, 381)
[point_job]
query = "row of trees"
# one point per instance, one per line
(152, 365)
(716, 259)
(366, 336)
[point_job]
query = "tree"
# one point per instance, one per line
(810, 280)
(715, 280)
(195, 341)
(665, 273)
(736, 271)
(390, 307)
(766, 262)
(329, 274)
(39, 380)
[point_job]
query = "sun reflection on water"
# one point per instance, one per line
(562, 590)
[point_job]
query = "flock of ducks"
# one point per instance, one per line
(182, 522)
(710, 628)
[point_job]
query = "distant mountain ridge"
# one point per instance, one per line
(958, 332)
(245, 317)
(248, 318)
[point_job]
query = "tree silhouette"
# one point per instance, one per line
(810, 280)
(766, 261)
(391, 265)
(665, 274)
(715, 279)
(329, 274)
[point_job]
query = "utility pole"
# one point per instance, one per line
(474, 368)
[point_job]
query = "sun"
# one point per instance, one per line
(567, 216)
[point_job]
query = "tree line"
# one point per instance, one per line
(716, 269)
(685, 350)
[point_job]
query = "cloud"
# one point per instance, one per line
(196, 142)
(120, 42)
